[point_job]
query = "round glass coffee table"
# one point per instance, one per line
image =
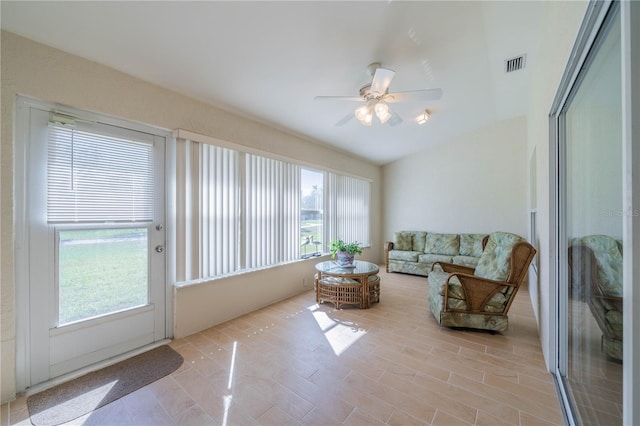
(347, 285)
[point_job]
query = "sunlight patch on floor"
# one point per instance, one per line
(229, 396)
(340, 334)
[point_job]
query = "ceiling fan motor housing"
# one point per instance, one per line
(365, 92)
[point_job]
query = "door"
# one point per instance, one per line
(590, 234)
(96, 262)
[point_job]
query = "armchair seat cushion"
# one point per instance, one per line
(456, 298)
(459, 319)
(407, 256)
(466, 261)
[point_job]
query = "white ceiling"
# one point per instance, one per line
(268, 60)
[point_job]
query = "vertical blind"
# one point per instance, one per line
(272, 219)
(348, 205)
(236, 210)
(207, 210)
(97, 178)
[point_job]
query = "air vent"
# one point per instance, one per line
(515, 64)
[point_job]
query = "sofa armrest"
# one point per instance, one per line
(388, 246)
(453, 268)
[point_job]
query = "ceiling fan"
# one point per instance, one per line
(376, 98)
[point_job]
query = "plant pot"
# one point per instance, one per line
(344, 258)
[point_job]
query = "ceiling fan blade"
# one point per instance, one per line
(381, 81)
(339, 98)
(344, 120)
(414, 95)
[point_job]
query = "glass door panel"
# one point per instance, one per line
(591, 231)
(101, 271)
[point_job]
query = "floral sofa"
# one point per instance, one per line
(414, 252)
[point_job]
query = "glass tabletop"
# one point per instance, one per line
(360, 267)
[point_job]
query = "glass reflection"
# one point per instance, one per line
(594, 237)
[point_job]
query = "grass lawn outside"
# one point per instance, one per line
(101, 271)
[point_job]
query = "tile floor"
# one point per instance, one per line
(299, 363)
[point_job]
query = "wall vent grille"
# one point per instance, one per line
(515, 64)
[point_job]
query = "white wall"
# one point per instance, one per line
(476, 183)
(563, 21)
(51, 75)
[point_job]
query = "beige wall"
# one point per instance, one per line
(475, 183)
(563, 21)
(48, 74)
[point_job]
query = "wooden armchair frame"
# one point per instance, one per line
(478, 291)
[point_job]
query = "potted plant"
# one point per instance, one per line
(345, 252)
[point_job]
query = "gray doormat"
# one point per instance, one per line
(80, 396)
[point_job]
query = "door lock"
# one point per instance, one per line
(160, 249)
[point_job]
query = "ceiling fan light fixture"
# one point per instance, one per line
(382, 112)
(368, 119)
(381, 109)
(362, 112)
(423, 117)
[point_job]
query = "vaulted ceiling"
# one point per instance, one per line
(268, 60)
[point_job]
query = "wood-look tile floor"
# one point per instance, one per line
(297, 362)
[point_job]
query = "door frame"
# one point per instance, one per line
(22, 236)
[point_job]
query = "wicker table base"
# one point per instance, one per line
(359, 286)
(339, 291)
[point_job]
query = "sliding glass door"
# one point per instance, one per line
(590, 231)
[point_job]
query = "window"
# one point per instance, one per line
(311, 212)
(239, 211)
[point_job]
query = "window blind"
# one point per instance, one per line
(208, 210)
(272, 218)
(97, 178)
(240, 211)
(348, 201)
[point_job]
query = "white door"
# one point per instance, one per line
(94, 197)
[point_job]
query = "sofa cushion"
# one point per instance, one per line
(442, 244)
(466, 261)
(495, 262)
(406, 255)
(431, 258)
(414, 268)
(419, 240)
(471, 244)
(403, 240)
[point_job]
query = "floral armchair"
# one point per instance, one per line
(595, 268)
(480, 298)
